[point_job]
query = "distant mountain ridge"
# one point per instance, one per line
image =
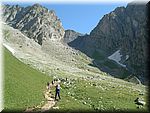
(71, 35)
(36, 22)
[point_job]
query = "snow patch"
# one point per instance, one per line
(9, 48)
(116, 56)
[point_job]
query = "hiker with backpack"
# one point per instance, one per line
(57, 93)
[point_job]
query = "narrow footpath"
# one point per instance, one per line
(49, 103)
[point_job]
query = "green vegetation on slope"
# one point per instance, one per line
(24, 85)
(98, 56)
(100, 95)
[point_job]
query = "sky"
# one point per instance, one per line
(84, 17)
(81, 18)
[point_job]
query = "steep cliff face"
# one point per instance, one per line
(37, 22)
(136, 45)
(123, 30)
(110, 30)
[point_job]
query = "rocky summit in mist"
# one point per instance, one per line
(36, 22)
(122, 31)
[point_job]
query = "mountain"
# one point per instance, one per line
(121, 32)
(71, 35)
(83, 85)
(36, 22)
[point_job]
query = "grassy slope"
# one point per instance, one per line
(24, 85)
(82, 94)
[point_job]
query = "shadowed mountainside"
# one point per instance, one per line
(123, 30)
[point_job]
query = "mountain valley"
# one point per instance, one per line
(99, 66)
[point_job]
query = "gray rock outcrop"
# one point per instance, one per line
(36, 22)
(71, 35)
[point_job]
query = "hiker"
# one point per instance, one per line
(57, 91)
(52, 82)
(48, 86)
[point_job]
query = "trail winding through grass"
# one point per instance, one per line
(46, 105)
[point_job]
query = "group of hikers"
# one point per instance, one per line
(57, 88)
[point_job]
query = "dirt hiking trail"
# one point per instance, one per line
(46, 105)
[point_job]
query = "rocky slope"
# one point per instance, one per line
(53, 58)
(49, 55)
(123, 29)
(36, 22)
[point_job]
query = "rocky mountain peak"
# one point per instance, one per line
(37, 5)
(36, 22)
(38, 8)
(71, 35)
